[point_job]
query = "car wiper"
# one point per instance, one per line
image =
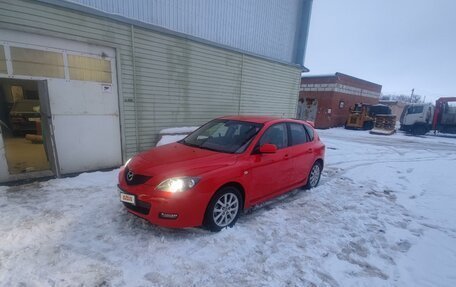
(188, 144)
(213, 149)
(208, 148)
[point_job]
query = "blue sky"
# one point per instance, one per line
(400, 44)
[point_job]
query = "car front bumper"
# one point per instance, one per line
(176, 210)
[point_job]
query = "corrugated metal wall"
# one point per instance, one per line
(180, 82)
(166, 81)
(263, 27)
(268, 88)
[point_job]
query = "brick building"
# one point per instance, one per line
(327, 98)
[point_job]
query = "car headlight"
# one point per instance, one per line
(178, 184)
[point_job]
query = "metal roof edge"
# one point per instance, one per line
(358, 79)
(85, 9)
(319, 76)
(337, 74)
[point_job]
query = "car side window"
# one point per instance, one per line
(310, 132)
(298, 134)
(277, 135)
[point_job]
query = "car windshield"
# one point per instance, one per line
(227, 136)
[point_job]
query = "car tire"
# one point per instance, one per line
(223, 209)
(314, 176)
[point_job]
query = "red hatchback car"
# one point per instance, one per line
(226, 166)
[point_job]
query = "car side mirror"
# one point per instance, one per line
(268, 148)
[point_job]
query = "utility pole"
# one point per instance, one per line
(411, 96)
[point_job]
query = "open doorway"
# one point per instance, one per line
(310, 112)
(22, 127)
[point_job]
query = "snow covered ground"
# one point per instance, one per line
(383, 215)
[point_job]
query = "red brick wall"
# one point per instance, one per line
(339, 116)
(331, 100)
(325, 99)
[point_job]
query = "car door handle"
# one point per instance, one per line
(286, 156)
(310, 150)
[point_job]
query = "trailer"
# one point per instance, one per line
(444, 120)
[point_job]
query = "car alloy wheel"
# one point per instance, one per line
(314, 176)
(224, 209)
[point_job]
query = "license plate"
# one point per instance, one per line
(127, 198)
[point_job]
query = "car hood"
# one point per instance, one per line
(179, 160)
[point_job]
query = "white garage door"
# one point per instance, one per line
(82, 94)
(85, 117)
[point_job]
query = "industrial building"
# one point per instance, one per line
(86, 84)
(328, 98)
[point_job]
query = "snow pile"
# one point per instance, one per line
(172, 135)
(166, 139)
(179, 130)
(383, 215)
(382, 131)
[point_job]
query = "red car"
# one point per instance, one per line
(226, 166)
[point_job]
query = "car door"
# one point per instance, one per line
(270, 173)
(301, 152)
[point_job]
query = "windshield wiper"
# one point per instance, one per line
(201, 146)
(188, 144)
(213, 149)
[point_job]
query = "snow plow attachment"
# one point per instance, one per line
(384, 125)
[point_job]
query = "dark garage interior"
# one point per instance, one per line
(20, 121)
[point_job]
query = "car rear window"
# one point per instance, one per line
(298, 134)
(310, 132)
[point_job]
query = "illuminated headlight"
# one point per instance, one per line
(178, 184)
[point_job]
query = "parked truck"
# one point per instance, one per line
(418, 119)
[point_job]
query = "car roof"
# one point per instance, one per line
(256, 119)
